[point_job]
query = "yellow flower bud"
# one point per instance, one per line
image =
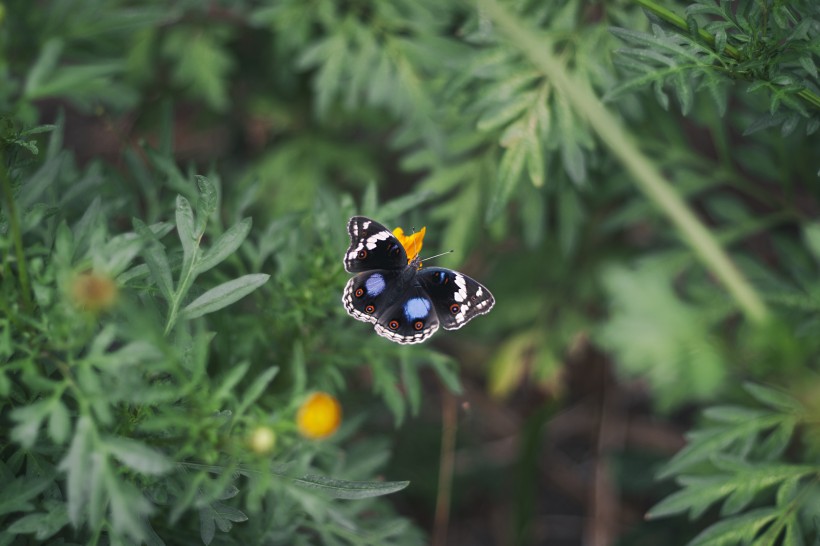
(262, 440)
(319, 416)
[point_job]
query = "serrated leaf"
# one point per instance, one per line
(735, 530)
(683, 92)
(223, 295)
(42, 524)
(343, 489)
(502, 113)
(702, 444)
(200, 62)
(14, 495)
(225, 245)
(128, 508)
(696, 496)
(773, 398)
(139, 456)
(733, 414)
(509, 174)
(794, 534)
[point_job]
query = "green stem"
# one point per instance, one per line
(646, 176)
(676, 20)
(16, 234)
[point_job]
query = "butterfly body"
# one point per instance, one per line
(405, 302)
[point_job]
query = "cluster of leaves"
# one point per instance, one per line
(736, 458)
(128, 425)
(771, 45)
(433, 94)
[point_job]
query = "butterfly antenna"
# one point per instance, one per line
(437, 255)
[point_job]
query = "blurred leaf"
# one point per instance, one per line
(225, 245)
(223, 295)
(139, 456)
(200, 62)
(342, 489)
(655, 334)
(42, 524)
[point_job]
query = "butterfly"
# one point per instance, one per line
(405, 302)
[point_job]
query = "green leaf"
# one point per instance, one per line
(775, 399)
(139, 456)
(206, 203)
(127, 506)
(59, 424)
(29, 419)
(224, 246)
(220, 515)
(43, 67)
(42, 524)
(736, 530)
(14, 495)
(78, 464)
(256, 389)
(697, 495)
(509, 173)
(342, 489)
(156, 260)
(223, 295)
(201, 63)
(185, 227)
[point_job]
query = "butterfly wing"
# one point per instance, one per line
(369, 294)
(412, 319)
(456, 297)
(372, 246)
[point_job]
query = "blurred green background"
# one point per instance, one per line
(635, 181)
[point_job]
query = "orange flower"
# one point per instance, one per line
(93, 291)
(319, 416)
(411, 243)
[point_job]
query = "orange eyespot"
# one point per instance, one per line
(418, 325)
(369, 309)
(359, 292)
(393, 325)
(362, 254)
(455, 308)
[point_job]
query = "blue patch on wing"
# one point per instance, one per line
(416, 308)
(374, 285)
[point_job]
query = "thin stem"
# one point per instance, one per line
(16, 234)
(644, 173)
(449, 423)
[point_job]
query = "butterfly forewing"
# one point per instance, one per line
(457, 298)
(372, 246)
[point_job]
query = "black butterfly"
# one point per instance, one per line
(405, 302)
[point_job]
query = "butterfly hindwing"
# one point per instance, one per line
(456, 297)
(372, 246)
(368, 295)
(411, 319)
